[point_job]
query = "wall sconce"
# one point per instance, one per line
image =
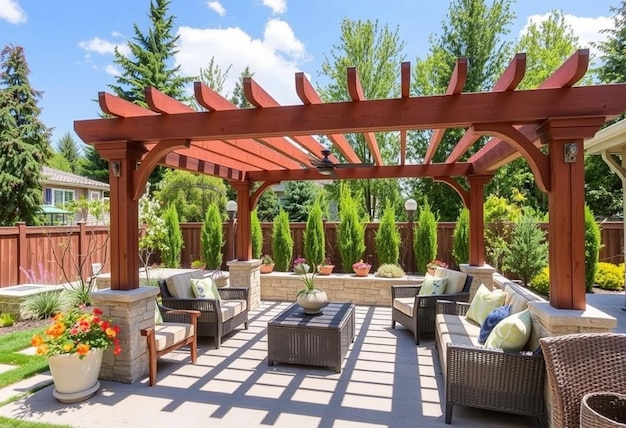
(570, 152)
(116, 167)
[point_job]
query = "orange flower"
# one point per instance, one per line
(111, 332)
(36, 341)
(82, 349)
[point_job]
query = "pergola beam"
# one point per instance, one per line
(405, 92)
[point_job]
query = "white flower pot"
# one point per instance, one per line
(75, 379)
(312, 302)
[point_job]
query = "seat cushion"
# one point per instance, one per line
(517, 301)
(179, 285)
(204, 288)
(171, 333)
(232, 308)
(456, 325)
(432, 285)
(512, 333)
(484, 301)
(404, 305)
(456, 279)
(494, 317)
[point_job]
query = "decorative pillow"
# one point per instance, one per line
(512, 333)
(484, 301)
(456, 279)
(179, 285)
(158, 318)
(205, 288)
(432, 285)
(494, 317)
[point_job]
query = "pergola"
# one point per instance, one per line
(271, 143)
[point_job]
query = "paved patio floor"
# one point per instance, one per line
(386, 381)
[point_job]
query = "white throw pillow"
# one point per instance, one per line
(484, 301)
(179, 285)
(432, 285)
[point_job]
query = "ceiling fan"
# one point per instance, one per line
(326, 167)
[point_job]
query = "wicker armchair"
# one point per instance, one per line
(579, 364)
(217, 317)
(421, 322)
(493, 379)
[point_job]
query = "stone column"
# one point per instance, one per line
(480, 275)
(549, 321)
(247, 274)
(132, 310)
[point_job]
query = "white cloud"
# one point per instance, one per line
(217, 7)
(103, 47)
(586, 28)
(110, 69)
(273, 60)
(11, 12)
(277, 6)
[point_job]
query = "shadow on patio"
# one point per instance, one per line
(386, 381)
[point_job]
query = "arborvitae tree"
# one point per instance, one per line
(314, 241)
(351, 230)
(170, 254)
(388, 238)
(592, 248)
(256, 234)
(425, 237)
(460, 247)
(282, 242)
(24, 141)
(212, 238)
(299, 196)
(68, 148)
(527, 253)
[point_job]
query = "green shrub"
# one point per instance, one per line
(170, 253)
(212, 238)
(351, 230)
(388, 238)
(527, 253)
(541, 282)
(6, 319)
(592, 248)
(425, 237)
(282, 242)
(609, 276)
(460, 247)
(45, 305)
(314, 241)
(390, 270)
(498, 214)
(256, 235)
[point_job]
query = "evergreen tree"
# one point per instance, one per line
(212, 76)
(24, 141)
(460, 248)
(256, 235)
(268, 205)
(58, 161)
(93, 166)
(388, 238)
(351, 230)
(314, 241)
(238, 98)
(527, 254)
(282, 242)
(171, 252)
(613, 55)
(212, 238)
(425, 237)
(592, 248)
(299, 196)
(68, 148)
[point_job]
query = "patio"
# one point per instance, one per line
(386, 381)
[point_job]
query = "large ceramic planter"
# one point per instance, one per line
(312, 302)
(75, 379)
(301, 268)
(267, 268)
(361, 271)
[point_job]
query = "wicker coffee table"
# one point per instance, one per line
(315, 340)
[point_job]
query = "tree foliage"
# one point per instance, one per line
(350, 231)
(93, 166)
(68, 148)
(171, 251)
(527, 254)
(314, 241)
(212, 237)
(267, 206)
(24, 141)
(153, 231)
(498, 216)
(282, 242)
(460, 247)
(238, 98)
(387, 238)
(425, 237)
(299, 197)
(592, 248)
(256, 235)
(375, 51)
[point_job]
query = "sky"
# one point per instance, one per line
(69, 43)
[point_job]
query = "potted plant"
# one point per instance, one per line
(432, 266)
(267, 264)
(361, 268)
(300, 265)
(74, 344)
(311, 298)
(326, 268)
(198, 264)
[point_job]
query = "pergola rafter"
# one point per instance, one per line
(271, 143)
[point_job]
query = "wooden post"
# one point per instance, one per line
(22, 255)
(243, 249)
(476, 224)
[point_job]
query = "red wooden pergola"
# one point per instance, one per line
(272, 143)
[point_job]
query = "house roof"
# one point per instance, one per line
(55, 176)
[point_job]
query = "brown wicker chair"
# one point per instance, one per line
(213, 321)
(578, 364)
(422, 321)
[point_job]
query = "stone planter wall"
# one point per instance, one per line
(370, 290)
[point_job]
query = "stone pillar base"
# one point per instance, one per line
(131, 310)
(247, 274)
(480, 275)
(549, 321)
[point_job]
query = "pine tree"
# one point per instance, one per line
(527, 254)
(24, 141)
(299, 197)
(69, 150)
(238, 98)
(93, 166)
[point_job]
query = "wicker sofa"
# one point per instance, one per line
(417, 313)
(475, 376)
(218, 317)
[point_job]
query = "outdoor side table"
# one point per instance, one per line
(315, 340)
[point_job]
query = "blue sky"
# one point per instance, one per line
(69, 43)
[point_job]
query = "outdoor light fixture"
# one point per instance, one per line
(410, 206)
(116, 167)
(325, 170)
(231, 209)
(570, 152)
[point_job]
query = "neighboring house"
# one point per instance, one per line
(60, 187)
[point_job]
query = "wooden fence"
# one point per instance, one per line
(36, 247)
